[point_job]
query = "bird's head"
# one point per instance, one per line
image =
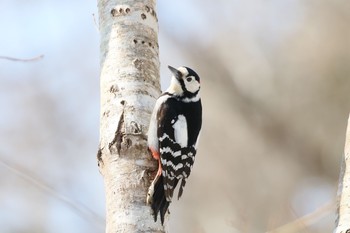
(184, 82)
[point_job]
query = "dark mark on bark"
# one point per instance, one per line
(119, 11)
(113, 12)
(137, 130)
(114, 88)
(106, 113)
(135, 127)
(118, 138)
(99, 157)
(128, 143)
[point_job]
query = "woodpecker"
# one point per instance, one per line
(173, 135)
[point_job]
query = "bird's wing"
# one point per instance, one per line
(171, 135)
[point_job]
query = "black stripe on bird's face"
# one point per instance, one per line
(192, 73)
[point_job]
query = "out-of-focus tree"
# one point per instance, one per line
(279, 102)
(343, 213)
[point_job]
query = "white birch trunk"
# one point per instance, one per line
(129, 87)
(343, 213)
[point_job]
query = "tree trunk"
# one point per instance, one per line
(129, 87)
(343, 212)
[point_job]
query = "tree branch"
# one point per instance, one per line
(301, 223)
(83, 211)
(23, 59)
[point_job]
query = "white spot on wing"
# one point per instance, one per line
(175, 167)
(163, 161)
(163, 137)
(177, 153)
(180, 131)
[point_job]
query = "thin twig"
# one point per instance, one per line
(306, 220)
(78, 208)
(23, 59)
(95, 22)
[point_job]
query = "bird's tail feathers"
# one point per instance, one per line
(156, 198)
(182, 185)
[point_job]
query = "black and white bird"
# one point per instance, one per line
(173, 137)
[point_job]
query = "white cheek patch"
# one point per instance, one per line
(192, 86)
(180, 131)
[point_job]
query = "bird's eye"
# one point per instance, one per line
(189, 79)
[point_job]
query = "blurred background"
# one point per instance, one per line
(275, 90)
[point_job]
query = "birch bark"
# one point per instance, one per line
(343, 212)
(129, 86)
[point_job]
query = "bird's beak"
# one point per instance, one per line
(177, 74)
